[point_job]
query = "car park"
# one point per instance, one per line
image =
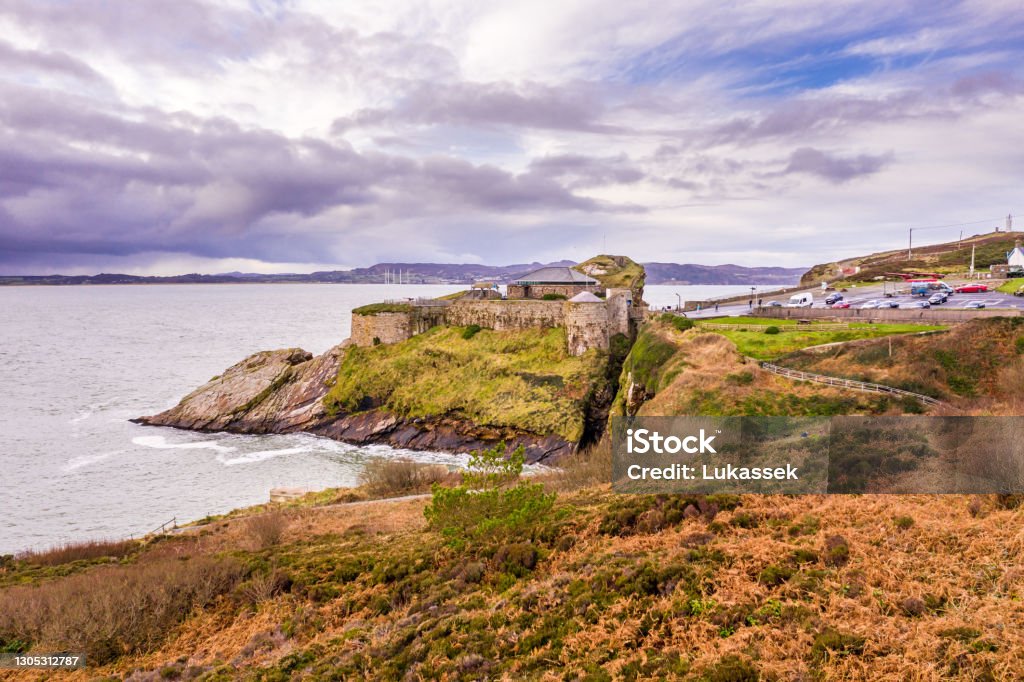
(971, 289)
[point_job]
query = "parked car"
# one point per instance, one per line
(840, 304)
(975, 304)
(916, 304)
(971, 289)
(804, 300)
(774, 304)
(888, 304)
(869, 305)
(936, 299)
(832, 299)
(1019, 292)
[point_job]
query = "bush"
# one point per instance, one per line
(771, 329)
(837, 550)
(268, 528)
(113, 610)
(393, 477)
(678, 321)
(832, 643)
(904, 522)
(78, 551)
(487, 510)
(553, 297)
(731, 668)
(471, 331)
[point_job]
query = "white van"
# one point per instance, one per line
(804, 300)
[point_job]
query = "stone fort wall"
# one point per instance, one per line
(587, 325)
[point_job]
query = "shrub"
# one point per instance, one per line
(553, 297)
(837, 550)
(471, 331)
(904, 522)
(774, 575)
(771, 329)
(680, 323)
(391, 477)
(77, 551)
(731, 668)
(832, 643)
(517, 558)
(114, 610)
(487, 509)
(267, 529)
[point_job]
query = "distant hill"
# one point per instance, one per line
(429, 273)
(946, 258)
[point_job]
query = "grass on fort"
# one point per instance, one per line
(522, 379)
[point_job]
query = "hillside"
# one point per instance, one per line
(948, 257)
(427, 273)
(603, 587)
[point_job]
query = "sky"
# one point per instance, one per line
(173, 136)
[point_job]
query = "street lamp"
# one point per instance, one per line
(679, 305)
(752, 290)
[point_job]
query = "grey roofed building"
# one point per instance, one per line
(556, 275)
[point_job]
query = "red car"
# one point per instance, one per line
(971, 288)
(841, 304)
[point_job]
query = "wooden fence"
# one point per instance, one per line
(847, 383)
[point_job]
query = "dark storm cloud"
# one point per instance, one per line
(570, 106)
(186, 184)
(834, 168)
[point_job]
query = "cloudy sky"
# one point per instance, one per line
(167, 136)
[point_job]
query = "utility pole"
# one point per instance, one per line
(910, 243)
(1009, 222)
(973, 247)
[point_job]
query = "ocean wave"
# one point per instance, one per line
(160, 443)
(85, 460)
(260, 455)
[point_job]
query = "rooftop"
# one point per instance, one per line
(556, 275)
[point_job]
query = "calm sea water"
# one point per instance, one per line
(76, 363)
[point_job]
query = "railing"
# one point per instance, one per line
(828, 327)
(847, 383)
(162, 528)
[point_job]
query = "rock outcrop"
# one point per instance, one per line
(282, 391)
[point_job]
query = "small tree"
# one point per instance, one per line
(487, 509)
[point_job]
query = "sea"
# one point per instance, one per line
(78, 362)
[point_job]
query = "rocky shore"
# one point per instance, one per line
(282, 391)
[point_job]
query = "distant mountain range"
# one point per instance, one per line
(430, 273)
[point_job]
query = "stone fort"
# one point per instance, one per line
(550, 297)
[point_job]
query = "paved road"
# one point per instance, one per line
(858, 296)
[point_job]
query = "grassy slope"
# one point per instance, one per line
(719, 380)
(989, 249)
(1010, 286)
(624, 589)
(770, 346)
(976, 366)
(522, 379)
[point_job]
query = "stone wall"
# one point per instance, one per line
(586, 326)
(937, 314)
(619, 304)
(512, 314)
(385, 327)
(539, 290)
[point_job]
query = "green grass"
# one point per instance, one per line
(763, 346)
(520, 380)
(375, 308)
(1011, 285)
(629, 275)
(744, 319)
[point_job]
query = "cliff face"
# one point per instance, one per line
(438, 391)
